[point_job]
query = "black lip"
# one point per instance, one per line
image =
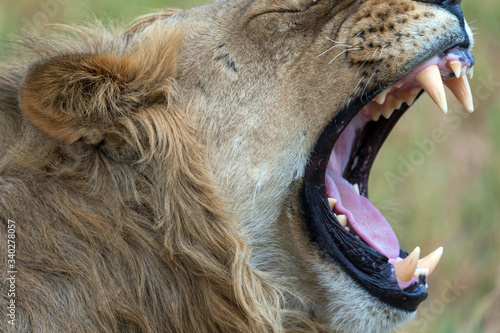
(366, 266)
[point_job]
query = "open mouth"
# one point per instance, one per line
(340, 218)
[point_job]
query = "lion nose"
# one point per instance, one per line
(443, 3)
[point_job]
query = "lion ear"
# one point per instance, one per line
(82, 97)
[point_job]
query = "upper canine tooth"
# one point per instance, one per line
(461, 89)
(343, 220)
(456, 67)
(406, 268)
(380, 99)
(471, 72)
(430, 262)
(332, 202)
(430, 79)
(356, 188)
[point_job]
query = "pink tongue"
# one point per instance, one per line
(363, 217)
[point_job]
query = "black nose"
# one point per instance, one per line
(443, 3)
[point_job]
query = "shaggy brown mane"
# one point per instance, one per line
(119, 185)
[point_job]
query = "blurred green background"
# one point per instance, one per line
(444, 193)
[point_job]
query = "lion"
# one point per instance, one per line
(206, 170)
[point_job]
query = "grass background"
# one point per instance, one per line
(446, 192)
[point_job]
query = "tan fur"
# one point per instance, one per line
(153, 171)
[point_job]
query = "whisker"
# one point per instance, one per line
(357, 86)
(334, 41)
(364, 89)
(345, 45)
(396, 57)
(353, 49)
(356, 36)
(373, 75)
(382, 51)
(361, 67)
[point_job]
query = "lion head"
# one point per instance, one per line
(206, 170)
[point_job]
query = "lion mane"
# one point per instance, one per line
(120, 225)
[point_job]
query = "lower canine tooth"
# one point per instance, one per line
(343, 220)
(405, 268)
(430, 262)
(421, 271)
(430, 79)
